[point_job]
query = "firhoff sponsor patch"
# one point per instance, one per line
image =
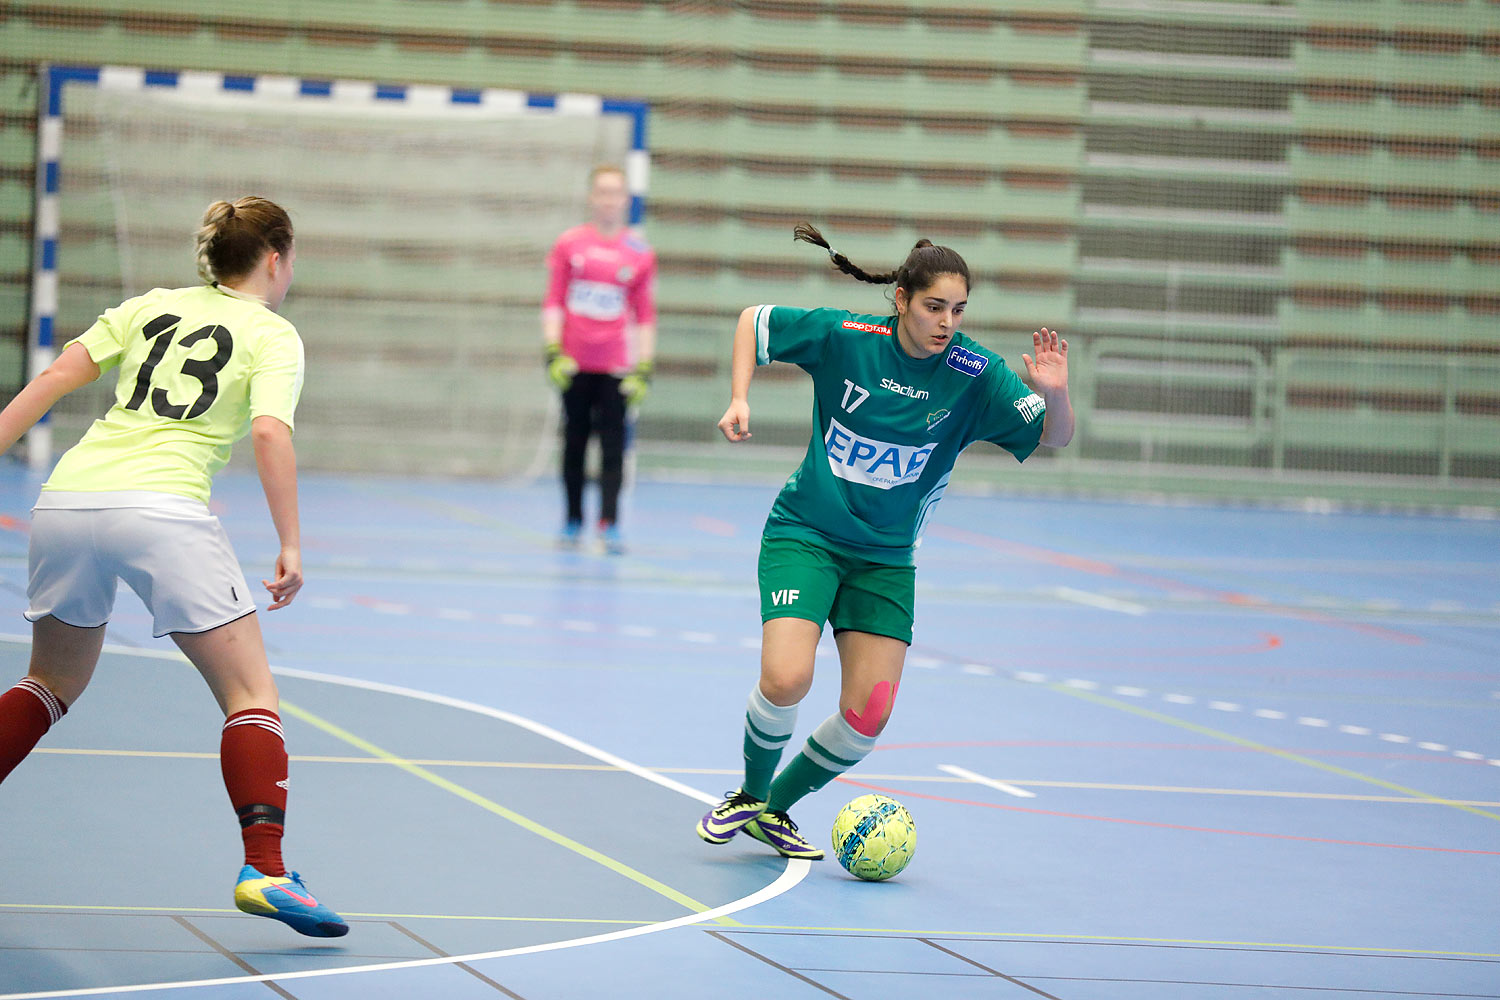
(966, 361)
(854, 324)
(869, 462)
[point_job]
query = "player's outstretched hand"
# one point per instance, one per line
(1048, 370)
(288, 579)
(735, 423)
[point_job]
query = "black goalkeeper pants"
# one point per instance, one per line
(593, 404)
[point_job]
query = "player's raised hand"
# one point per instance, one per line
(1048, 369)
(735, 423)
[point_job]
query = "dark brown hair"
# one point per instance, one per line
(920, 269)
(236, 235)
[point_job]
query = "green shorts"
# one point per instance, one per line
(800, 579)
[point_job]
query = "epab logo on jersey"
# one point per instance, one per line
(869, 462)
(966, 361)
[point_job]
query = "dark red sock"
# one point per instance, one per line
(27, 711)
(253, 757)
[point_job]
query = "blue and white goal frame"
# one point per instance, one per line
(54, 84)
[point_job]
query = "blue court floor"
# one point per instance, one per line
(1154, 752)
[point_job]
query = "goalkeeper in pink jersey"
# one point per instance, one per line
(601, 287)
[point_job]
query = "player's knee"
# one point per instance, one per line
(869, 718)
(784, 687)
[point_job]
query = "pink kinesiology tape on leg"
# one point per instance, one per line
(867, 723)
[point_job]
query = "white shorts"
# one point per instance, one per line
(174, 554)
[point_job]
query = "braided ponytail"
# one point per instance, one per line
(235, 235)
(920, 269)
(808, 233)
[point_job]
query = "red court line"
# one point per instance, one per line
(897, 793)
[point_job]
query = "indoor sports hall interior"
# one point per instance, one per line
(1205, 706)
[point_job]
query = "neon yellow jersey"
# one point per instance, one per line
(196, 365)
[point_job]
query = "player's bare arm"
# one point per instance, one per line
(735, 423)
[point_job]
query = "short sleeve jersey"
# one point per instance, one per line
(599, 284)
(888, 428)
(196, 365)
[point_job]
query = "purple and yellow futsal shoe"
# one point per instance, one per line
(287, 899)
(778, 830)
(728, 817)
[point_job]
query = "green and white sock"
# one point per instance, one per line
(768, 729)
(833, 748)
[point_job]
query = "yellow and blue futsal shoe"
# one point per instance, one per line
(286, 898)
(777, 830)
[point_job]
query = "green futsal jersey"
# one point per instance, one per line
(887, 427)
(196, 365)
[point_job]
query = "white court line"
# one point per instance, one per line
(978, 779)
(1094, 600)
(796, 869)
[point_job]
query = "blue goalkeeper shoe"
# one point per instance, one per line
(287, 899)
(611, 539)
(777, 830)
(730, 816)
(571, 535)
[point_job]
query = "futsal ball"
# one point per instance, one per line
(874, 837)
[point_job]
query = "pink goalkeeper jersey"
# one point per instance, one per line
(597, 284)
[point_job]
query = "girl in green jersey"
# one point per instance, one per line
(896, 398)
(198, 367)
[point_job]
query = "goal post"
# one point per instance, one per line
(423, 217)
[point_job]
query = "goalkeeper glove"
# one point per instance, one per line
(560, 367)
(637, 385)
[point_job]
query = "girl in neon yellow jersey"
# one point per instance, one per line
(198, 368)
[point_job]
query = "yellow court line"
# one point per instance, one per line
(618, 867)
(1263, 748)
(816, 929)
(362, 916)
(1109, 939)
(1104, 786)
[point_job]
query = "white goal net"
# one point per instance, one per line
(422, 231)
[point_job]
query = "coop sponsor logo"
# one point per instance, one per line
(903, 390)
(854, 324)
(1031, 407)
(966, 361)
(869, 462)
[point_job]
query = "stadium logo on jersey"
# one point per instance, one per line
(1031, 407)
(869, 462)
(935, 418)
(903, 390)
(966, 361)
(853, 324)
